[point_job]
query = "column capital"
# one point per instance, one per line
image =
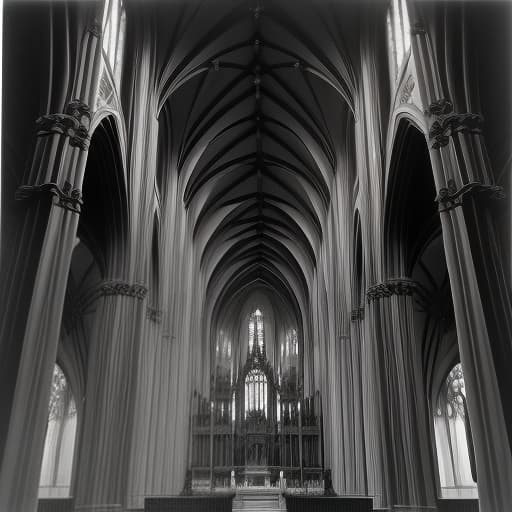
(68, 197)
(138, 291)
(73, 123)
(450, 197)
(95, 29)
(395, 286)
(446, 123)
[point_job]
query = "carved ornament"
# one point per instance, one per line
(450, 197)
(68, 197)
(407, 90)
(74, 123)
(95, 29)
(121, 288)
(448, 123)
(398, 286)
(357, 314)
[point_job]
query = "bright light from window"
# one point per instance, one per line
(451, 430)
(55, 478)
(256, 392)
(256, 330)
(399, 37)
(114, 24)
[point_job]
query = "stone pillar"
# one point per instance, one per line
(109, 399)
(37, 278)
(481, 297)
(412, 480)
(357, 316)
(54, 199)
(376, 431)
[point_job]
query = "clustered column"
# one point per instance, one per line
(481, 299)
(409, 461)
(109, 399)
(53, 197)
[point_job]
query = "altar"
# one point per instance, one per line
(256, 476)
(256, 428)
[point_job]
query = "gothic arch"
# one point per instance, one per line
(410, 218)
(104, 219)
(358, 278)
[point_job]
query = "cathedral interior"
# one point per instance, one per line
(256, 255)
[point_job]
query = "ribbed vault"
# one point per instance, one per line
(255, 100)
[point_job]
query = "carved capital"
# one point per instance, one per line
(153, 314)
(397, 286)
(68, 197)
(440, 107)
(447, 123)
(80, 111)
(95, 29)
(450, 197)
(74, 123)
(121, 288)
(357, 314)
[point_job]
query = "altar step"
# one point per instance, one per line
(257, 502)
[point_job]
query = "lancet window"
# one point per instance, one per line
(59, 444)
(256, 331)
(399, 36)
(114, 23)
(452, 432)
(256, 393)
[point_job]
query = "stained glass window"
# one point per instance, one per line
(256, 393)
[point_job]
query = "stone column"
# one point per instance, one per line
(357, 316)
(37, 278)
(412, 480)
(54, 199)
(109, 399)
(481, 298)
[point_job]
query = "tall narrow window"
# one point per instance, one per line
(256, 331)
(256, 393)
(452, 438)
(59, 444)
(399, 35)
(114, 23)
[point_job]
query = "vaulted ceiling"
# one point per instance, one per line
(255, 103)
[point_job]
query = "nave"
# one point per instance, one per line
(255, 249)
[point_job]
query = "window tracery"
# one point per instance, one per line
(453, 438)
(256, 331)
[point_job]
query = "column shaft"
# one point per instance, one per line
(19, 476)
(109, 400)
